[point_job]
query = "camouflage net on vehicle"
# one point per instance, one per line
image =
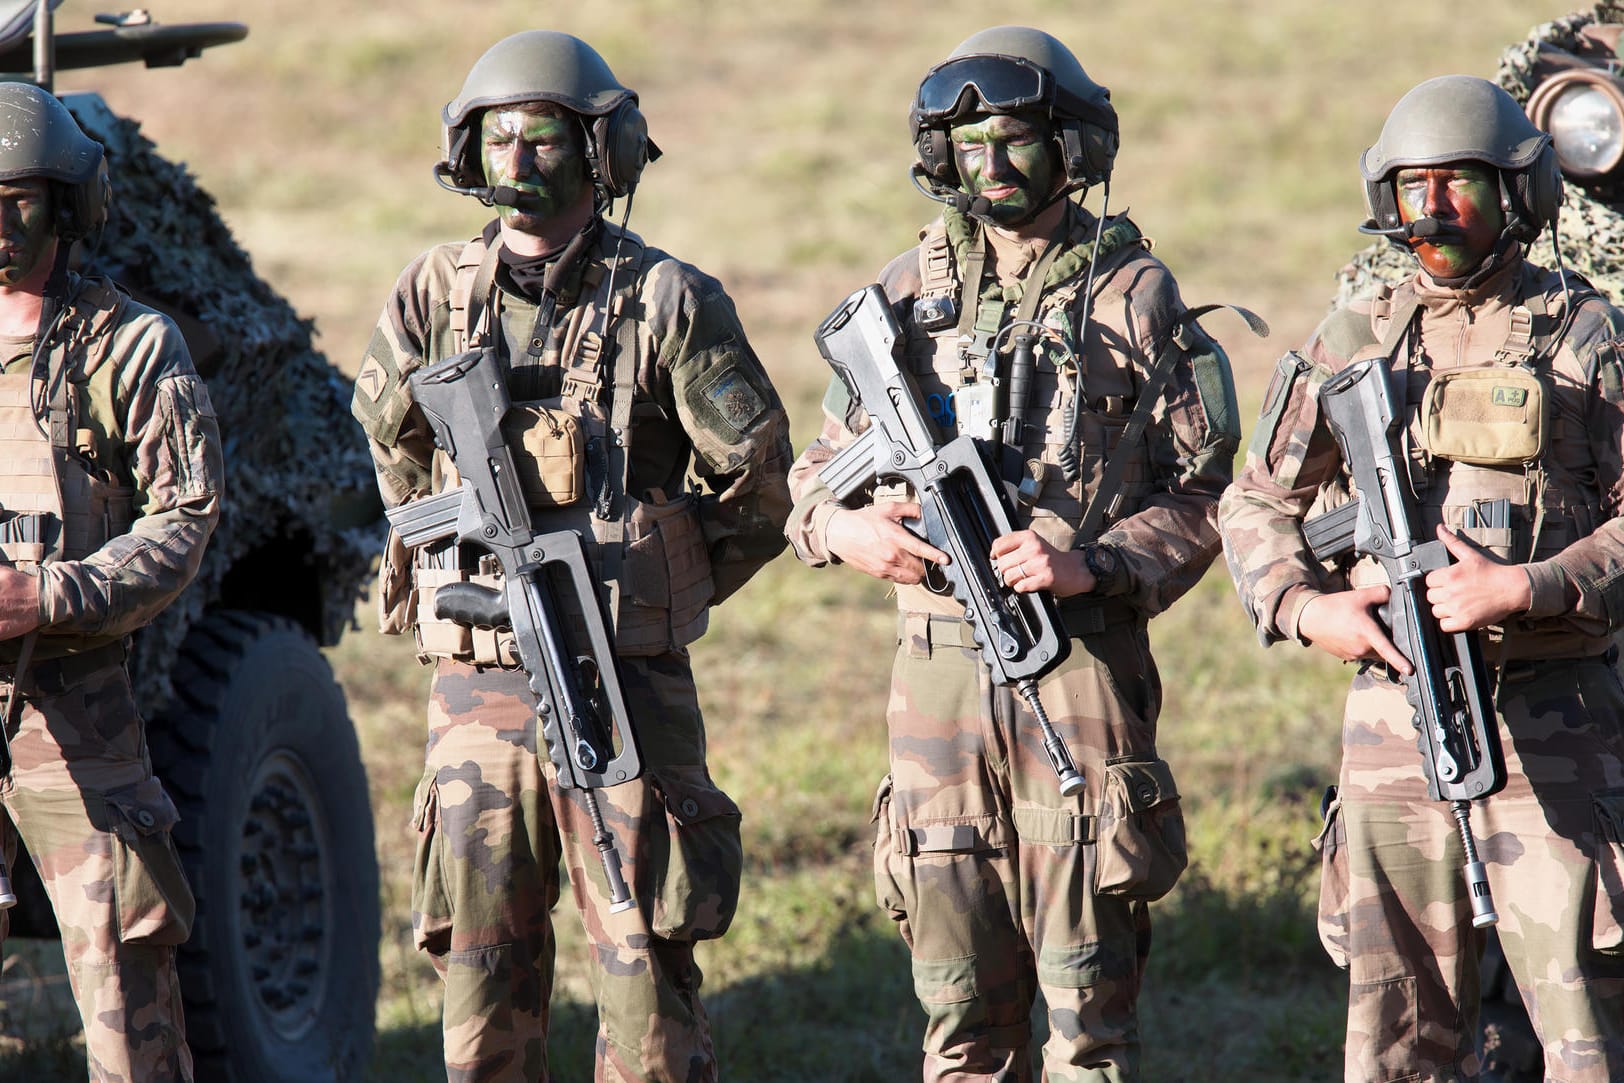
(299, 480)
(1591, 230)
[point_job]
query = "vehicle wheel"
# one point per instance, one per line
(280, 975)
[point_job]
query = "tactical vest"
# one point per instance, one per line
(1528, 500)
(650, 554)
(1110, 386)
(56, 501)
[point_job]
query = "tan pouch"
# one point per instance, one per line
(438, 638)
(549, 452)
(1487, 416)
(397, 607)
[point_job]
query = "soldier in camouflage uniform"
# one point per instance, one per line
(1002, 887)
(644, 356)
(110, 477)
(1510, 382)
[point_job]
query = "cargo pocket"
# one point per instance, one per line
(431, 896)
(888, 892)
(154, 903)
(697, 889)
(1607, 927)
(1332, 844)
(1141, 831)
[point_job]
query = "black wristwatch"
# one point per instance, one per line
(1104, 564)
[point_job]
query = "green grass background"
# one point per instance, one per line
(786, 150)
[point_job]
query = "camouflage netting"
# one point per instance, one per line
(1592, 223)
(299, 481)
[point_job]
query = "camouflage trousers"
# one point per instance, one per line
(1394, 909)
(492, 829)
(1002, 888)
(97, 822)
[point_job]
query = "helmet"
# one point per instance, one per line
(1010, 69)
(40, 138)
(549, 66)
(1457, 118)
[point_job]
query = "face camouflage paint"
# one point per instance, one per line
(25, 228)
(1008, 160)
(540, 152)
(1463, 196)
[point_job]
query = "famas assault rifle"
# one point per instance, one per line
(1457, 733)
(963, 507)
(580, 697)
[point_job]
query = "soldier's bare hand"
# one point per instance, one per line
(1477, 590)
(1028, 563)
(1344, 624)
(873, 540)
(19, 603)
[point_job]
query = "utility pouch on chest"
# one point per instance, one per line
(549, 452)
(1487, 416)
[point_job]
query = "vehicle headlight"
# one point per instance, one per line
(1583, 109)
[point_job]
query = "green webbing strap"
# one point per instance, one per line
(1108, 496)
(619, 307)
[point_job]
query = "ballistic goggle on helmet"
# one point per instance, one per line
(1013, 69)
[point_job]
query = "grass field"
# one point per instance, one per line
(785, 175)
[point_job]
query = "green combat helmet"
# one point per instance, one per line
(547, 66)
(1010, 69)
(1456, 118)
(40, 138)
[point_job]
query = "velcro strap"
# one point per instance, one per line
(941, 839)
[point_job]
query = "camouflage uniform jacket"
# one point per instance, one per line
(700, 394)
(1164, 529)
(1570, 497)
(145, 434)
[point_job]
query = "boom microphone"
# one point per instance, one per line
(501, 195)
(1422, 229)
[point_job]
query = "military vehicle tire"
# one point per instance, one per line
(280, 975)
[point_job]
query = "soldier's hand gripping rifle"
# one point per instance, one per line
(963, 507)
(580, 697)
(1457, 733)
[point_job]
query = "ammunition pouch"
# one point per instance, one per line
(1486, 416)
(549, 451)
(437, 638)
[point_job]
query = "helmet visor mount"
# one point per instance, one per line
(1001, 84)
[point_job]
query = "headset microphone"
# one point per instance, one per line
(1421, 229)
